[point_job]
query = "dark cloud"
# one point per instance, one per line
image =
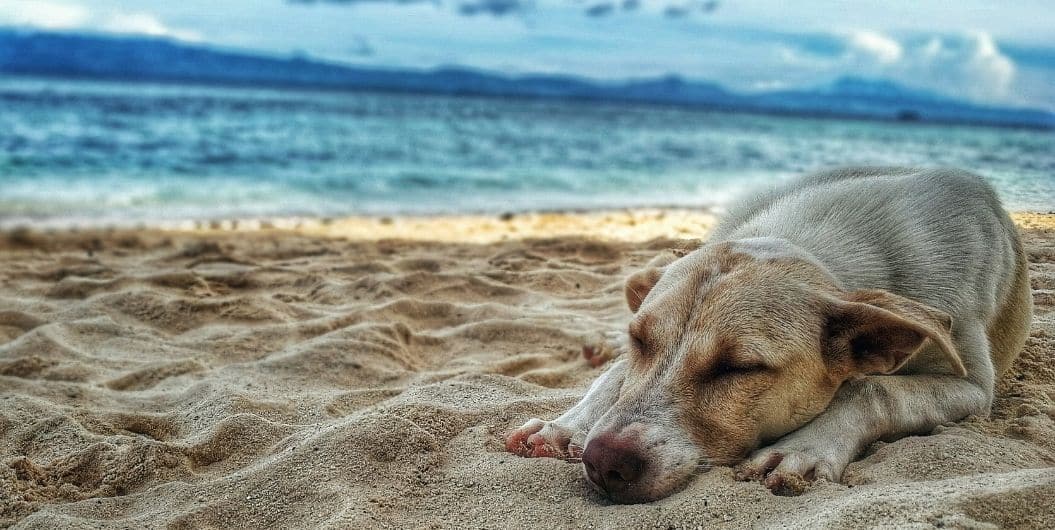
(676, 11)
(686, 9)
(502, 8)
(362, 1)
(361, 46)
(1034, 56)
(600, 10)
(497, 8)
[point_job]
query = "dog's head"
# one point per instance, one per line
(735, 344)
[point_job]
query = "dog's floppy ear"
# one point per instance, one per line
(639, 284)
(874, 331)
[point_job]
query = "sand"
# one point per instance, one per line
(326, 375)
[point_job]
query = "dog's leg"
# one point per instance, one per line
(563, 437)
(873, 408)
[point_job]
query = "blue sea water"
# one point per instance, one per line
(74, 152)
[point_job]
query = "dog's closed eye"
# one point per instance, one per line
(730, 360)
(725, 368)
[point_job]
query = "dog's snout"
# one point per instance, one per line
(613, 463)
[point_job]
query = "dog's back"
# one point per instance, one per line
(939, 236)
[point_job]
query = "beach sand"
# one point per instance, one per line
(360, 373)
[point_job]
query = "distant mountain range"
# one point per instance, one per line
(24, 52)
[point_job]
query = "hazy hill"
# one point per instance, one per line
(149, 59)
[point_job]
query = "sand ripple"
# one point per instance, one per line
(276, 379)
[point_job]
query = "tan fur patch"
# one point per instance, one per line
(746, 353)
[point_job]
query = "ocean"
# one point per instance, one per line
(97, 153)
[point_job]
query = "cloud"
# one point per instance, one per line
(1032, 56)
(600, 10)
(880, 47)
(971, 64)
(470, 8)
(361, 47)
(362, 1)
(43, 14)
(71, 16)
(501, 8)
(144, 24)
(682, 10)
(962, 65)
(495, 8)
(676, 11)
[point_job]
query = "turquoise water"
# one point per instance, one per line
(80, 152)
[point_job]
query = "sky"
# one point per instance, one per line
(981, 50)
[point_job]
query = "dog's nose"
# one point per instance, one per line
(613, 462)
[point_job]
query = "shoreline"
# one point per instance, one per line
(624, 224)
(615, 224)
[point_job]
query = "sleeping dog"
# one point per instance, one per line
(846, 307)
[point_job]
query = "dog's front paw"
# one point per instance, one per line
(538, 438)
(789, 470)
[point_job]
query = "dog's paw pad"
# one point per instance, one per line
(787, 484)
(540, 447)
(537, 438)
(789, 471)
(517, 441)
(758, 466)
